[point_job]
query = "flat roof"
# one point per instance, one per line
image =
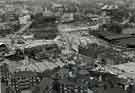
(35, 43)
(126, 70)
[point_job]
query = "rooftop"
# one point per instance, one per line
(126, 70)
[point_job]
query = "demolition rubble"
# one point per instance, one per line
(67, 47)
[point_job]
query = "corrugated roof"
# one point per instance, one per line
(41, 66)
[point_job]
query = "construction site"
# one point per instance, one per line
(70, 46)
